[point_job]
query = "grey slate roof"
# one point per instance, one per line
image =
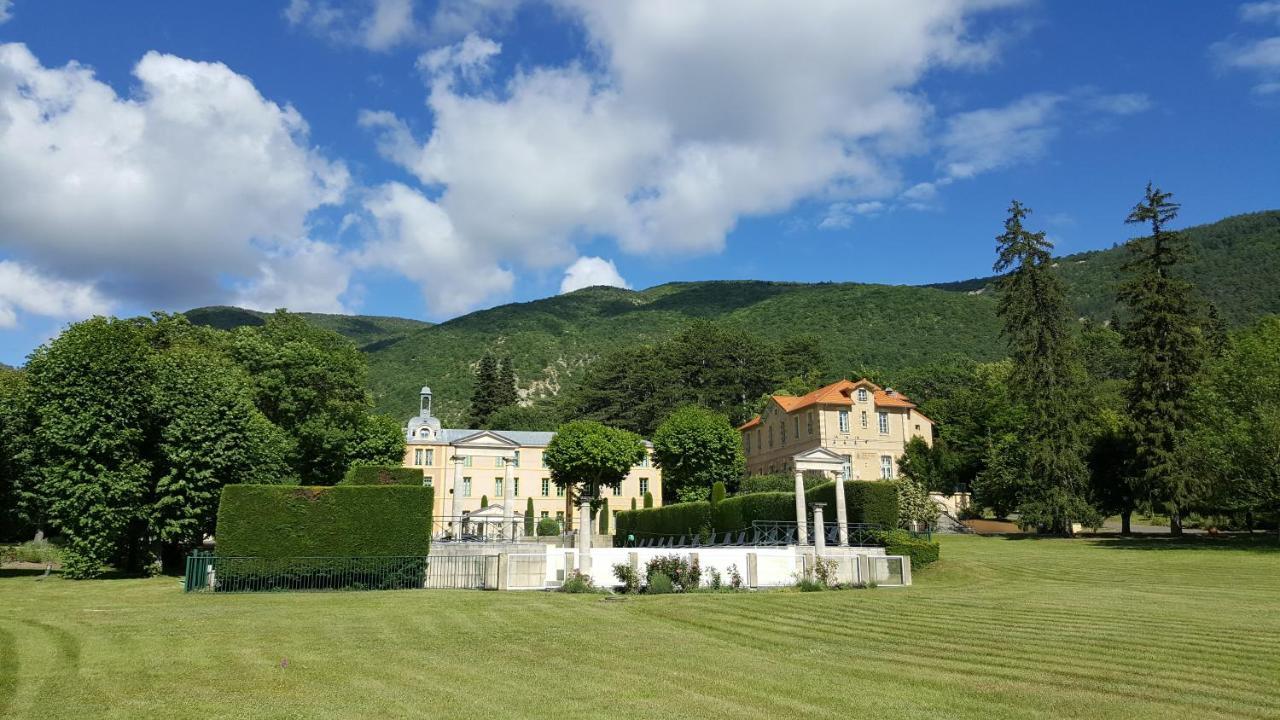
(519, 437)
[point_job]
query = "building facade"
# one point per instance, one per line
(504, 467)
(867, 425)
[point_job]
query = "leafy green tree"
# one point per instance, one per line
(998, 484)
(376, 440)
(1111, 467)
(723, 369)
(542, 416)
(931, 467)
(633, 503)
(209, 434)
(1238, 432)
(632, 388)
(648, 499)
(1164, 334)
(696, 448)
(717, 492)
(311, 383)
(1046, 378)
(914, 505)
(14, 432)
(585, 456)
(90, 442)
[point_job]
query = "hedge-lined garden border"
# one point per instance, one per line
(382, 475)
(282, 521)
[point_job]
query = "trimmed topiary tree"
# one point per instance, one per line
(633, 503)
(484, 501)
(648, 499)
(604, 517)
(528, 517)
(382, 475)
(548, 527)
(717, 492)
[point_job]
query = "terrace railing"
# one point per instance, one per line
(211, 573)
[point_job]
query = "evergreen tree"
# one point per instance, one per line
(604, 517)
(1046, 378)
(528, 517)
(484, 398)
(505, 389)
(1167, 342)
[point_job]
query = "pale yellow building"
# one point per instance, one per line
(867, 425)
(504, 466)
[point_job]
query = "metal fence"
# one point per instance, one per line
(462, 572)
(764, 533)
(206, 572)
(465, 528)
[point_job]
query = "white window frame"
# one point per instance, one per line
(844, 421)
(546, 487)
(418, 456)
(886, 467)
(644, 486)
(864, 419)
(884, 422)
(515, 487)
(431, 457)
(466, 486)
(862, 394)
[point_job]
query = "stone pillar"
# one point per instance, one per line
(584, 535)
(802, 526)
(819, 532)
(842, 513)
(452, 514)
(753, 578)
(508, 531)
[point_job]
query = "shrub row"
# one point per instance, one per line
(900, 542)
(867, 502)
(875, 503)
(382, 475)
(777, 482)
(276, 521)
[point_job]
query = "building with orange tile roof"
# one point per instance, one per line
(866, 424)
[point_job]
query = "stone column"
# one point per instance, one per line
(584, 535)
(452, 515)
(819, 532)
(802, 527)
(842, 514)
(507, 489)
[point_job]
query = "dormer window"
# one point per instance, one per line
(862, 394)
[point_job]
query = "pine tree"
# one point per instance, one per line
(484, 396)
(528, 517)
(1164, 334)
(1046, 378)
(505, 384)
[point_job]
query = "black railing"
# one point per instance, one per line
(762, 533)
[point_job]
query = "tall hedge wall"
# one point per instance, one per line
(875, 502)
(340, 521)
(867, 502)
(382, 475)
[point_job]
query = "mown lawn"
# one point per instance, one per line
(1000, 628)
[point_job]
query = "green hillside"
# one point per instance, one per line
(361, 329)
(1236, 264)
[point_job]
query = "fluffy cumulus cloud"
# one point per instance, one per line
(589, 272)
(1257, 55)
(28, 290)
(696, 114)
(162, 197)
(383, 24)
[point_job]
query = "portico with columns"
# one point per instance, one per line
(831, 466)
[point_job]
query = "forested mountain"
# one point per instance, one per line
(1236, 265)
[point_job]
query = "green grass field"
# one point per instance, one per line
(1000, 628)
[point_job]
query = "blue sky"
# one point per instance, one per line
(426, 159)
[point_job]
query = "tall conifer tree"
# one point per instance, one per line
(484, 398)
(1165, 335)
(1046, 378)
(505, 390)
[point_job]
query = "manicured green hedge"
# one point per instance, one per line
(382, 475)
(778, 482)
(679, 519)
(867, 502)
(900, 542)
(739, 511)
(274, 521)
(874, 502)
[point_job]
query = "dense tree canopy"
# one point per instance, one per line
(587, 456)
(696, 448)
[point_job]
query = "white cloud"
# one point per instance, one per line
(6, 11)
(304, 275)
(160, 198)
(841, 215)
(696, 115)
(993, 138)
(1269, 10)
(373, 24)
(1120, 103)
(591, 271)
(417, 239)
(1260, 56)
(26, 289)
